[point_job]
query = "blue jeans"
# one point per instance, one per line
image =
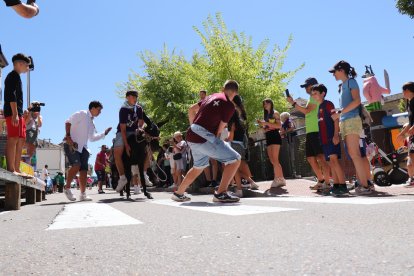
(212, 148)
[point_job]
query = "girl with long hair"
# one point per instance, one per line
(239, 142)
(350, 122)
(271, 124)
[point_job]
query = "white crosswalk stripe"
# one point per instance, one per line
(331, 200)
(235, 209)
(90, 215)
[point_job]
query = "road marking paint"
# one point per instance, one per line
(233, 209)
(90, 215)
(333, 200)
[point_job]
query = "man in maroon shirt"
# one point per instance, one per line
(100, 164)
(208, 118)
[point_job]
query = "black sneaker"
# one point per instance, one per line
(225, 198)
(101, 192)
(180, 198)
(344, 189)
(340, 190)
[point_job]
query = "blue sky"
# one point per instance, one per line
(82, 49)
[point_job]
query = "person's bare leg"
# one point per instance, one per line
(315, 167)
(228, 174)
(118, 151)
(352, 144)
(367, 167)
(11, 145)
(18, 156)
(207, 173)
(237, 178)
(179, 177)
(189, 178)
(30, 150)
(214, 168)
(269, 150)
(70, 175)
(82, 180)
(337, 170)
(276, 164)
(325, 167)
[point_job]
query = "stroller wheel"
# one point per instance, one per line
(381, 179)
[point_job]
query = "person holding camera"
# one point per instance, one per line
(28, 10)
(79, 129)
(33, 121)
(313, 148)
(13, 112)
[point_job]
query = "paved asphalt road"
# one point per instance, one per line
(289, 235)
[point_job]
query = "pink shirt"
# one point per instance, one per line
(373, 91)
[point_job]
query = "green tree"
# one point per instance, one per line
(170, 83)
(406, 7)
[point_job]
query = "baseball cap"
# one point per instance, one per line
(21, 57)
(309, 81)
(131, 93)
(342, 64)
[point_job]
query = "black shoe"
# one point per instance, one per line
(225, 198)
(101, 192)
(339, 190)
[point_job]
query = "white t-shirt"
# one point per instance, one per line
(45, 173)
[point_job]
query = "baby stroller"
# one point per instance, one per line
(388, 168)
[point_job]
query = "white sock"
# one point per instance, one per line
(122, 177)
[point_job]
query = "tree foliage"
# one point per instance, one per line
(406, 7)
(170, 82)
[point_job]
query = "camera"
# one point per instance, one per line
(31, 65)
(36, 106)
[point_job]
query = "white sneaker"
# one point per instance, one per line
(121, 183)
(254, 186)
(239, 193)
(363, 191)
(69, 195)
(137, 190)
(278, 183)
(147, 180)
(84, 197)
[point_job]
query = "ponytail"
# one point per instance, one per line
(351, 73)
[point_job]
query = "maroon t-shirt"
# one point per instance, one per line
(213, 109)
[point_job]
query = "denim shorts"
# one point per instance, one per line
(118, 139)
(75, 158)
(212, 148)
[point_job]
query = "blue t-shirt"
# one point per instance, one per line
(345, 98)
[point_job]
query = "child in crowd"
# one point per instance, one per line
(408, 93)
(329, 137)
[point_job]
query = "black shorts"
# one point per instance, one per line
(75, 158)
(100, 175)
(273, 138)
(313, 145)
